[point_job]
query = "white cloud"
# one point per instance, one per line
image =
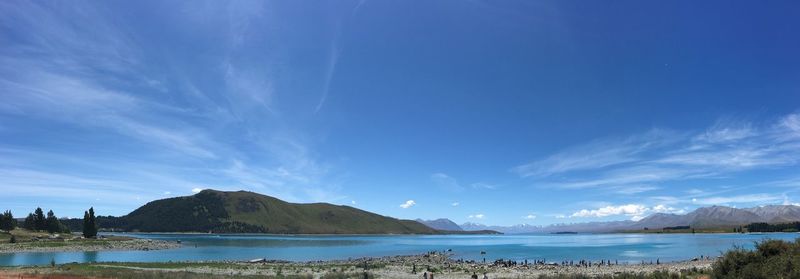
(197, 190)
(750, 198)
(635, 211)
(167, 193)
(408, 203)
(786, 201)
(530, 217)
(628, 209)
(667, 209)
(353, 202)
(476, 216)
(560, 216)
(455, 204)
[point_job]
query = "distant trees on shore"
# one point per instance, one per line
(39, 221)
(765, 227)
(89, 224)
(7, 221)
(36, 221)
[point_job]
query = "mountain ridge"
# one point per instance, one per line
(248, 212)
(443, 224)
(704, 217)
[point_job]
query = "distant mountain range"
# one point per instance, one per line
(443, 224)
(704, 217)
(248, 212)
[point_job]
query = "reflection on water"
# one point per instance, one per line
(622, 247)
(89, 257)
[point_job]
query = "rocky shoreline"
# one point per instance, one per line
(439, 264)
(87, 246)
(443, 266)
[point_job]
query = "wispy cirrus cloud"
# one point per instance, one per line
(449, 183)
(641, 163)
(597, 154)
(446, 182)
(749, 198)
(635, 189)
(136, 108)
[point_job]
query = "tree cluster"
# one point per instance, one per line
(782, 227)
(37, 221)
(7, 221)
(89, 224)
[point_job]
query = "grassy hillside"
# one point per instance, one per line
(242, 211)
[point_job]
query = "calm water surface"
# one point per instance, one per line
(621, 247)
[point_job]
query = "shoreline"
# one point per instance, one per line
(136, 244)
(382, 267)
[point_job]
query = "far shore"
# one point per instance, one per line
(87, 245)
(308, 234)
(26, 241)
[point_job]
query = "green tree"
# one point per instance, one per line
(52, 223)
(85, 228)
(89, 224)
(30, 222)
(92, 221)
(7, 221)
(39, 220)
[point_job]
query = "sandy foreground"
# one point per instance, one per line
(384, 267)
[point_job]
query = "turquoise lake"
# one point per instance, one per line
(630, 248)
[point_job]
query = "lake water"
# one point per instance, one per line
(629, 248)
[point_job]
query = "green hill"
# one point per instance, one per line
(232, 212)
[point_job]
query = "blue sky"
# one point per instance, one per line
(502, 113)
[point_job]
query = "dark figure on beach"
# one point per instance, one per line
(484, 276)
(474, 276)
(414, 269)
(425, 275)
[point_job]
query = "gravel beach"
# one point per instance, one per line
(384, 267)
(95, 245)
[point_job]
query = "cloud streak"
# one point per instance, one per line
(642, 162)
(110, 98)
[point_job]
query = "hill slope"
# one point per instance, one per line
(777, 213)
(441, 224)
(723, 216)
(242, 211)
(702, 218)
